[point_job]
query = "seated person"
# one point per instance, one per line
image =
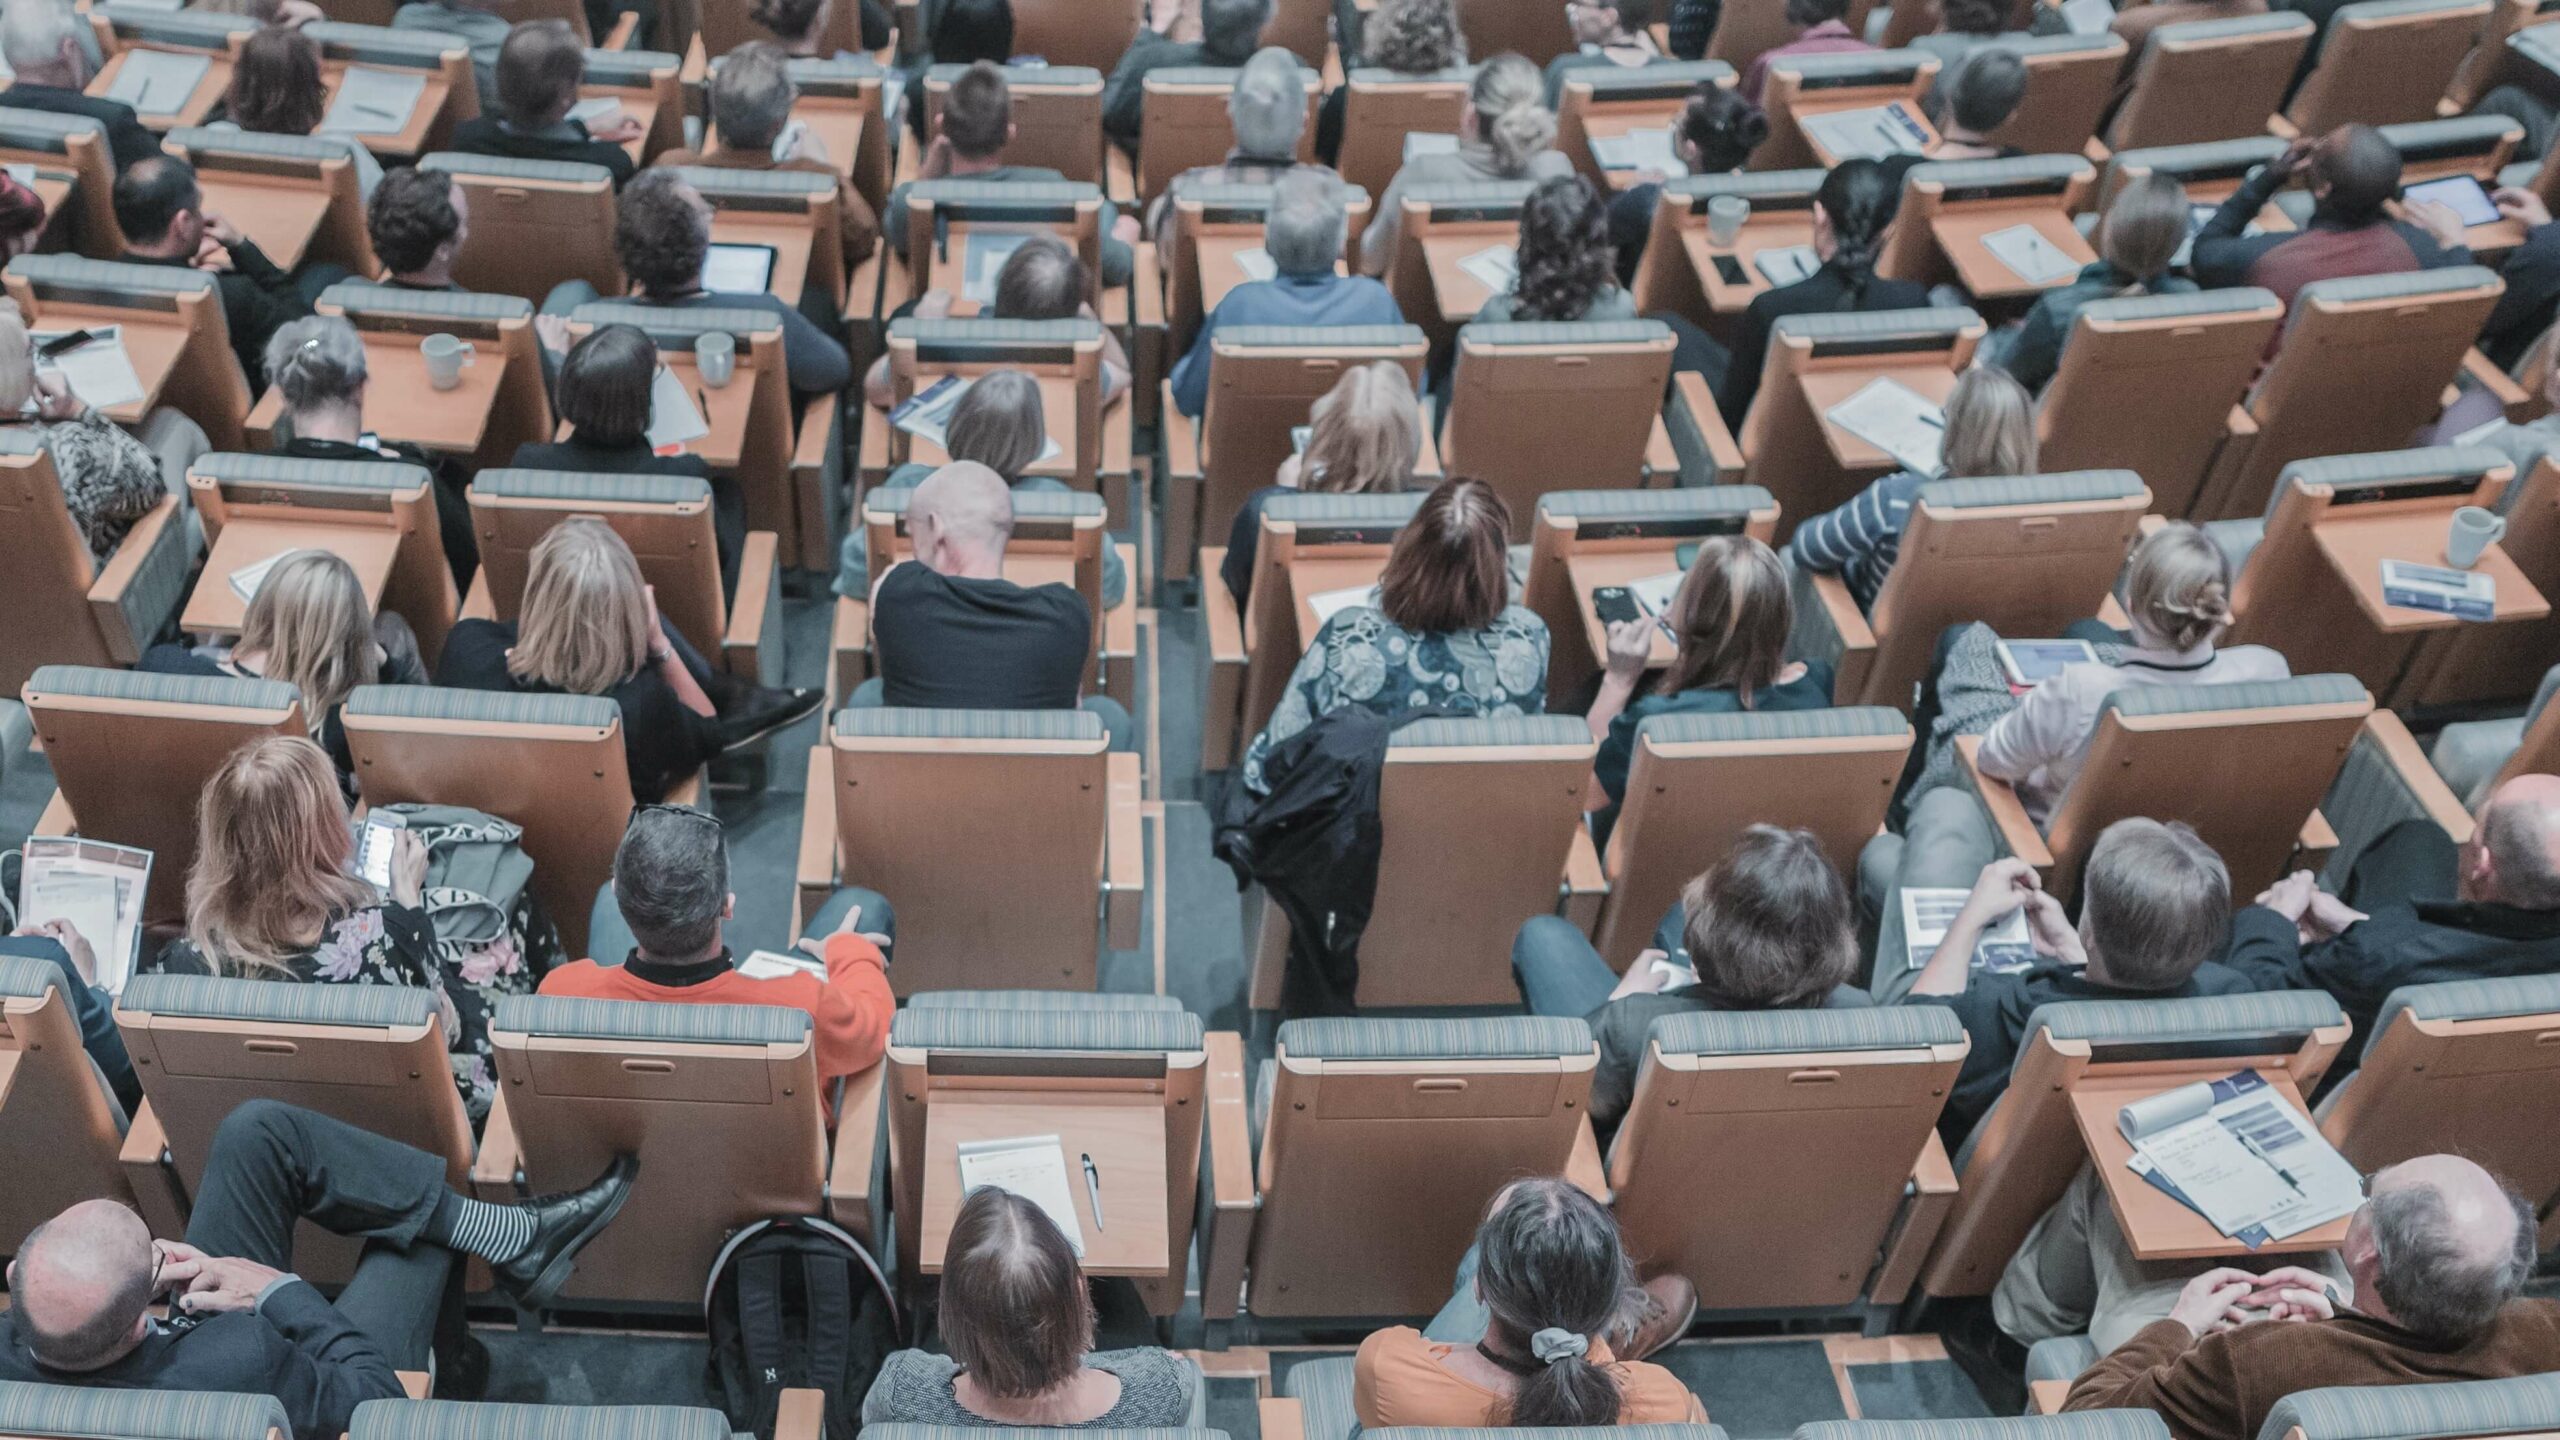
(318, 365)
(1990, 430)
(1976, 98)
(1229, 32)
(60, 944)
(276, 90)
(1017, 1317)
(1567, 270)
(2178, 596)
(1526, 1338)
(50, 70)
(1000, 423)
(662, 233)
(949, 632)
(1730, 618)
(2137, 242)
(658, 928)
(2418, 909)
(751, 96)
(960, 32)
(1417, 39)
(1821, 28)
(418, 221)
(2534, 441)
(308, 626)
(1505, 133)
(273, 895)
(1714, 135)
(1041, 280)
(109, 479)
(801, 25)
(1443, 611)
(1364, 438)
(161, 211)
(1851, 213)
(1964, 27)
(1604, 35)
(477, 23)
(82, 1284)
(1267, 109)
(977, 128)
(2532, 275)
(22, 218)
(603, 396)
(1303, 233)
(2435, 1261)
(1767, 928)
(539, 71)
(2155, 903)
(2353, 174)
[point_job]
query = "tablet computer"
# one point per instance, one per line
(2029, 661)
(2461, 194)
(737, 269)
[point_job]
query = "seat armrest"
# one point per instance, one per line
(802, 1414)
(1146, 287)
(1583, 1165)
(417, 1383)
(1586, 881)
(2008, 814)
(849, 649)
(56, 817)
(1124, 861)
(156, 1191)
(494, 1169)
(2315, 843)
(1285, 1419)
(1229, 1195)
(752, 647)
(814, 877)
(817, 478)
(1661, 458)
(2386, 779)
(2510, 396)
(1931, 1195)
(136, 597)
(1223, 711)
(2046, 1397)
(858, 1160)
(1703, 449)
(1426, 465)
(1830, 627)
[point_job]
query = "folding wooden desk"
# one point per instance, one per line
(1826, 388)
(1727, 297)
(1460, 294)
(1614, 118)
(787, 234)
(1960, 233)
(1321, 575)
(1823, 159)
(1589, 572)
(1124, 1133)
(216, 609)
(2356, 545)
(2155, 1226)
(199, 103)
(725, 408)
(153, 345)
(401, 405)
(414, 133)
(280, 215)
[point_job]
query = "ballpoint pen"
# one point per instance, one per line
(1093, 1190)
(2260, 1151)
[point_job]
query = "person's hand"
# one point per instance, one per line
(2290, 1292)
(1126, 230)
(2328, 916)
(934, 305)
(223, 231)
(625, 129)
(177, 1264)
(408, 868)
(2437, 219)
(851, 924)
(2290, 897)
(2295, 156)
(225, 1283)
(2050, 930)
(1643, 977)
(211, 256)
(2522, 206)
(54, 400)
(1286, 477)
(937, 159)
(1630, 649)
(2211, 1299)
(76, 945)
(2003, 886)
(553, 332)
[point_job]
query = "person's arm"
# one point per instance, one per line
(327, 1367)
(1742, 366)
(854, 1011)
(1831, 541)
(69, 952)
(2165, 1368)
(1191, 373)
(1119, 260)
(274, 302)
(1124, 95)
(1386, 226)
(2002, 886)
(2044, 728)
(817, 363)
(860, 226)
(2532, 276)
(2037, 350)
(2223, 252)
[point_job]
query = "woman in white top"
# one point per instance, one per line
(2178, 596)
(1505, 133)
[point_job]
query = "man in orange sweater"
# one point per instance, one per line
(658, 931)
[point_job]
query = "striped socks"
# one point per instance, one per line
(496, 1233)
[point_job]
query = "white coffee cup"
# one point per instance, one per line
(2474, 530)
(445, 357)
(1725, 214)
(715, 356)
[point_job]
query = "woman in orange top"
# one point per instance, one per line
(1553, 1279)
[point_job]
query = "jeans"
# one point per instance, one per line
(273, 1165)
(1559, 974)
(1944, 847)
(1121, 730)
(609, 939)
(95, 1012)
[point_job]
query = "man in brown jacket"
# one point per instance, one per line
(2437, 1254)
(750, 104)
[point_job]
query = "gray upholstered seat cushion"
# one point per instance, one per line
(500, 167)
(2404, 1412)
(1006, 1432)
(2468, 755)
(1785, 1032)
(2064, 488)
(91, 682)
(1606, 511)
(80, 1410)
(2253, 695)
(2079, 1425)
(217, 997)
(2202, 1019)
(2470, 1000)
(573, 485)
(1143, 1031)
(1331, 337)
(481, 707)
(575, 1018)
(1506, 1037)
(461, 1420)
(23, 977)
(1050, 1000)
(891, 722)
(1836, 723)
(1503, 730)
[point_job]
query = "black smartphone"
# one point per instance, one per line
(63, 344)
(1615, 603)
(1730, 271)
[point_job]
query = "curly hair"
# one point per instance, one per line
(1414, 37)
(1566, 260)
(662, 231)
(410, 217)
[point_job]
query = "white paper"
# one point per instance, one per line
(1927, 914)
(1033, 1167)
(1655, 592)
(246, 580)
(99, 372)
(927, 416)
(1494, 267)
(1786, 264)
(1423, 142)
(1333, 602)
(597, 112)
(2221, 1143)
(2088, 17)
(1871, 132)
(23, 174)
(374, 102)
(673, 417)
(58, 880)
(2029, 255)
(775, 965)
(984, 259)
(1257, 264)
(158, 82)
(1897, 420)
(1647, 149)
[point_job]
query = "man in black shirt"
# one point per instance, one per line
(539, 70)
(949, 632)
(161, 212)
(418, 221)
(50, 68)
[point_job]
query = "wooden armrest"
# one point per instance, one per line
(2045, 1397)
(817, 863)
(1586, 881)
(1146, 287)
(1427, 464)
(1660, 459)
(619, 37)
(1691, 389)
(802, 1414)
(2316, 835)
(742, 647)
(1924, 1214)
(106, 592)
(56, 817)
(2240, 423)
(1218, 607)
(857, 1152)
(259, 428)
(2112, 615)
(2282, 129)
(1119, 175)
(2510, 396)
(862, 308)
(1583, 1166)
(1181, 442)
(1284, 1419)
(493, 1170)
(416, 1383)
(479, 603)
(1124, 861)
(156, 1192)
(817, 436)
(2000, 801)
(2387, 730)
(1228, 1220)
(2096, 152)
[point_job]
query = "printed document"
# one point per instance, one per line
(1870, 133)
(1330, 603)
(1257, 264)
(98, 370)
(1031, 1166)
(96, 888)
(1897, 420)
(1638, 150)
(1494, 267)
(2029, 255)
(1654, 592)
(246, 580)
(1423, 142)
(984, 260)
(927, 415)
(1927, 915)
(674, 419)
(776, 965)
(2242, 1156)
(1786, 264)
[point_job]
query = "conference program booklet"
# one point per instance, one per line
(2241, 1156)
(2464, 594)
(1928, 913)
(96, 888)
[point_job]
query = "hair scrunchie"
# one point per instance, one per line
(1553, 1345)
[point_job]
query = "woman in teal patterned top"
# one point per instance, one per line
(1441, 632)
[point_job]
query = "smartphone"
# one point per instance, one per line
(1675, 975)
(1614, 603)
(1730, 271)
(375, 845)
(61, 345)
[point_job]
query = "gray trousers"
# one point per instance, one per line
(1944, 847)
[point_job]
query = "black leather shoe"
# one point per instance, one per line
(562, 1226)
(762, 711)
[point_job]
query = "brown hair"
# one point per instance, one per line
(2144, 227)
(1366, 436)
(272, 848)
(1015, 1313)
(1450, 569)
(605, 384)
(661, 232)
(1732, 617)
(275, 85)
(1770, 928)
(1000, 423)
(1991, 426)
(977, 115)
(539, 68)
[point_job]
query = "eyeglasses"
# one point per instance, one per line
(687, 811)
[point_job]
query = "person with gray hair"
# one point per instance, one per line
(1267, 109)
(49, 66)
(1304, 235)
(2434, 1263)
(658, 925)
(1228, 31)
(751, 96)
(317, 364)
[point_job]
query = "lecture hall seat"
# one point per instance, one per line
(2189, 358)
(1515, 378)
(85, 1412)
(60, 1129)
(64, 607)
(1057, 109)
(1186, 124)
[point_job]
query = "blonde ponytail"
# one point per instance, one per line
(1511, 115)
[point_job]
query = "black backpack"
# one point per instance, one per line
(796, 1304)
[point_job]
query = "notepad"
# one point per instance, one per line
(246, 580)
(1031, 1166)
(1655, 592)
(1423, 142)
(1638, 150)
(1257, 263)
(984, 259)
(1786, 264)
(1330, 603)
(98, 370)
(1495, 267)
(2029, 255)
(927, 415)
(1897, 420)
(1871, 133)
(1928, 913)
(674, 419)
(158, 82)
(374, 102)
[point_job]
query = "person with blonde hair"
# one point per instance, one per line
(1364, 438)
(273, 894)
(109, 479)
(310, 627)
(588, 625)
(1991, 430)
(2137, 243)
(1506, 132)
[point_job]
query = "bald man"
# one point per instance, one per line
(2437, 1255)
(949, 631)
(2419, 907)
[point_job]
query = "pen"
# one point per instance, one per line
(2260, 1151)
(1093, 1190)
